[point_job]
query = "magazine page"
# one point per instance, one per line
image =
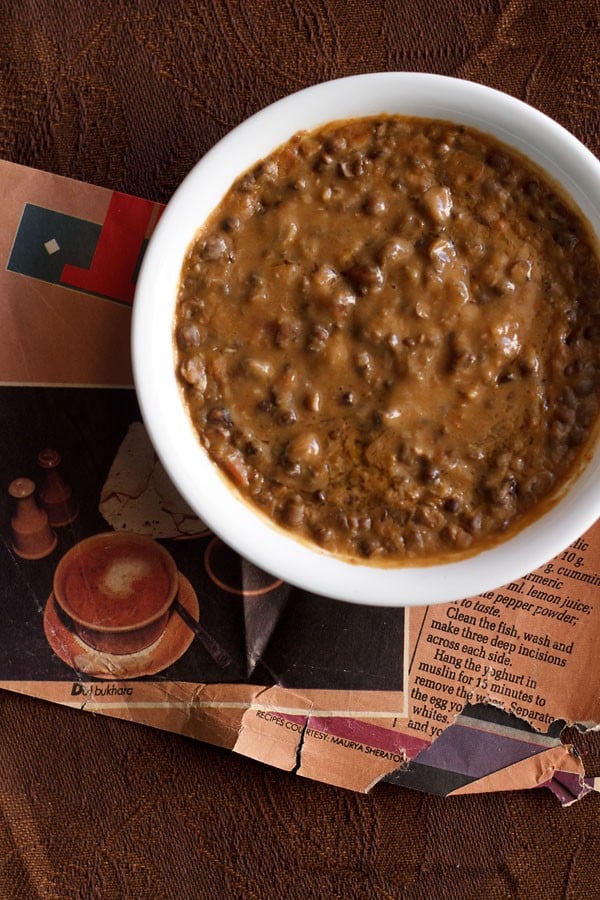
(186, 636)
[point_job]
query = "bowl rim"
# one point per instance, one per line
(226, 513)
(114, 536)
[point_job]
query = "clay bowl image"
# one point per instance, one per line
(366, 335)
(117, 590)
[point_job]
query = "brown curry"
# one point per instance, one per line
(388, 337)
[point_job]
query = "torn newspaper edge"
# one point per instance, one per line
(453, 699)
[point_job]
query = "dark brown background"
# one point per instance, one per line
(128, 95)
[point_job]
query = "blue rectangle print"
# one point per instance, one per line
(47, 240)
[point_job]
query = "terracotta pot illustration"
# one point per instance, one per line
(56, 496)
(33, 538)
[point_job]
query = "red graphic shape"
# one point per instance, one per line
(117, 251)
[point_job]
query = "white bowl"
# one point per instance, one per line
(198, 479)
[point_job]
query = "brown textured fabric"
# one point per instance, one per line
(129, 95)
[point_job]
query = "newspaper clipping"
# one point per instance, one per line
(455, 698)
